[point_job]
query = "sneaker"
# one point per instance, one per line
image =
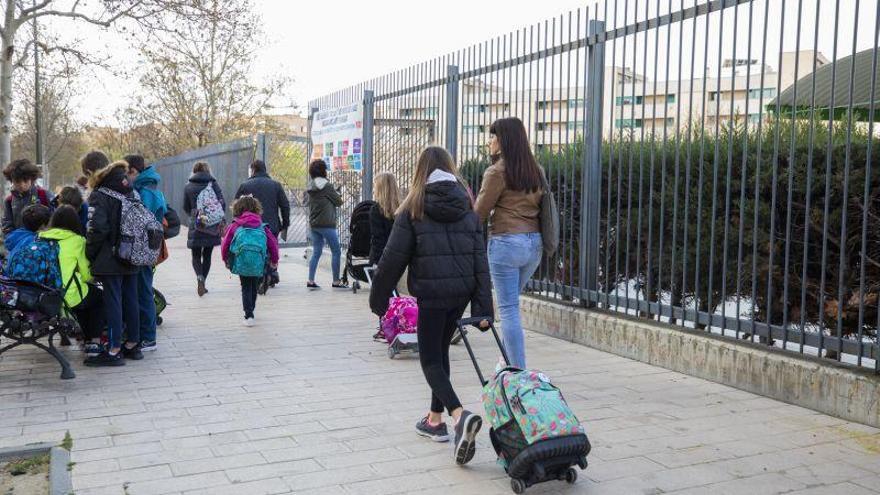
(133, 353)
(106, 359)
(466, 430)
(437, 433)
(249, 322)
(312, 286)
(92, 349)
(148, 346)
(340, 285)
(379, 336)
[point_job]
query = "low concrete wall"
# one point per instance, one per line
(850, 394)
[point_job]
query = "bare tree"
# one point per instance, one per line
(198, 85)
(101, 13)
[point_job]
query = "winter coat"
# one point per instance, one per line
(104, 215)
(147, 185)
(380, 229)
(445, 253)
(323, 201)
(18, 238)
(16, 202)
(250, 220)
(73, 262)
(197, 183)
(273, 198)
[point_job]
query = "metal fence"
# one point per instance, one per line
(712, 160)
(285, 157)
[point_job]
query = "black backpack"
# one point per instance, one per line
(359, 228)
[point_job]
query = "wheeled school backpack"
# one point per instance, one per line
(249, 251)
(534, 433)
(402, 317)
(36, 262)
(140, 234)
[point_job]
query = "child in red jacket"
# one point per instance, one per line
(245, 251)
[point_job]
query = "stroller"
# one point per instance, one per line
(358, 253)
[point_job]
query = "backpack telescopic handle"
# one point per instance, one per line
(462, 329)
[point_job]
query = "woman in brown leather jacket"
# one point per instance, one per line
(510, 198)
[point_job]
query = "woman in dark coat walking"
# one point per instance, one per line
(202, 239)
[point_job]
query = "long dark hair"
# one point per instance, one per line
(65, 217)
(521, 171)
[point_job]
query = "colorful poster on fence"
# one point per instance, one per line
(337, 137)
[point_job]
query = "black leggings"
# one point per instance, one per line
(201, 260)
(249, 286)
(436, 327)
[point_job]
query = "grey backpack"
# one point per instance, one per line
(140, 234)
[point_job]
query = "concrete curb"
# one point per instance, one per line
(60, 482)
(816, 384)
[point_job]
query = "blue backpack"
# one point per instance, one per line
(249, 251)
(36, 262)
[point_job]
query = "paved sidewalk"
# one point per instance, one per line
(305, 402)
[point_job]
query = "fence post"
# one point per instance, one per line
(367, 158)
(452, 78)
(591, 170)
(309, 145)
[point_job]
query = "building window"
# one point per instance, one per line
(431, 112)
(670, 122)
(541, 126)
(628, 123)
(628, 100)
(754, 118)
(575, 125)
(541, 105)
(578, 103)
(670, 98)
(474, 128)
(713, 95)
(759, 94)
(406, 112)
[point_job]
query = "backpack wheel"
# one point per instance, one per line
(391, 353)
(159, 321)
(571, 476)
(518, 486)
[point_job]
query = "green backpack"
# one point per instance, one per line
(249, 252)
(525, 408)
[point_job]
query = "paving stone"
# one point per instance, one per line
(297, 404)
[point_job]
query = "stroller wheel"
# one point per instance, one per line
(518, 486)
(355, 287)
(391, 352)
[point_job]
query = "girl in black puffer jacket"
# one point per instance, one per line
(438, 236)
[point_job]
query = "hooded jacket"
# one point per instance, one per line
(147, 185)
(276, 206)
(198, 182)
(16, 239)
(323, 201)
(250, 220)
(445, 252)
(104, 215)
(73, 261)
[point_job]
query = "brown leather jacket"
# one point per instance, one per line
(509, 212)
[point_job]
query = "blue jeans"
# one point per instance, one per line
(319, 237)
(513, 259)
(121, 304)
(146, 304)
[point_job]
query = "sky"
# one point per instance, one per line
(332, 44)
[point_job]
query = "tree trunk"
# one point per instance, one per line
(7, 45)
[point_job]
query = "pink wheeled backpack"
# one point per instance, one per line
(401, 317)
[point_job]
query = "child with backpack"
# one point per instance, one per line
(439, 237)
(25, 192)
(84, 299)
(71, 195)
(33, 219)
(122, 238)
(247, 247)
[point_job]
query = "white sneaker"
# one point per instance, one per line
(248, 322)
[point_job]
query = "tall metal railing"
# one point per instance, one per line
(285, 157)
(713, 161)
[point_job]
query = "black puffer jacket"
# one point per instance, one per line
(196, 184)
(380, 230)
(270, 193)
(103, 228)
(444, 251)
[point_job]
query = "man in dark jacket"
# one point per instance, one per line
(270, 193)
(118, 277)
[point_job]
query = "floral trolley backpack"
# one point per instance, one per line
(402, 316)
